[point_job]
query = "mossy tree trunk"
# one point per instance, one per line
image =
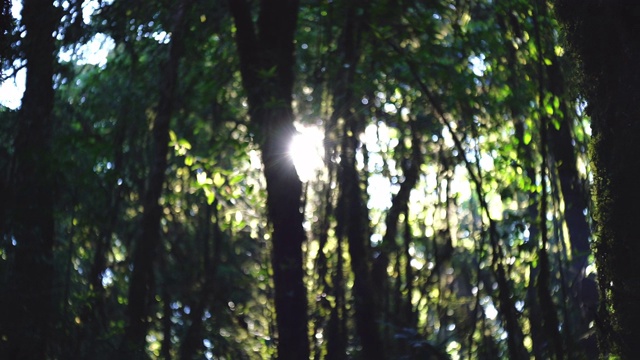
(604, 35)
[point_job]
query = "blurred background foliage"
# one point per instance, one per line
(469, 145)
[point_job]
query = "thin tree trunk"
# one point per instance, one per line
(356, 231)
(408, 315)
(25, 324)
(399, 204)
(351, 197)
(574, 195)
(508, 312)
(575, 199)
(550, 321)
(337, 335)
(144, 253)
(192, 342)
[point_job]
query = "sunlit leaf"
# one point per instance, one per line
(218, 180)
(184, 143)
(209, 194)
(548, 109)
(201, 177)
(236, 179)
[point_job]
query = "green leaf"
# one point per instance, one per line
(218, 180)
(209, 194)
(527, 138)
(184, 143)
(548, 109)
(236, 179)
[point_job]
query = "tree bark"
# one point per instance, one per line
(267, 68)
(25, 324)
(604, 34)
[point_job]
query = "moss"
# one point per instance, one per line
(601, 33)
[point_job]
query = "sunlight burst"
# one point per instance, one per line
(306, 151)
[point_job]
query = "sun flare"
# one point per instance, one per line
(307, 151)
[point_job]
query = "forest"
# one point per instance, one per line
(319, 179)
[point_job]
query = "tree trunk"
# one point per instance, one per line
(25, 324)
(550, 321)
(192, 342)
(399, 205)
(144, 253)
(357, 235)
(351, 198)
(508, 312)
(604, 34)
(337, 334)
(562, 150)
(267, 65)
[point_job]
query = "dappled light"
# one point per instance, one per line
(439, 205)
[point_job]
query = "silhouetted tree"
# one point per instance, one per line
(267, 62)
(27, 313)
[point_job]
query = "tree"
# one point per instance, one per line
(148, 245)
(30, 226)
(7, 25)
(267, 67)
(601, 34)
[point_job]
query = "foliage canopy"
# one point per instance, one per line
(446, 210)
